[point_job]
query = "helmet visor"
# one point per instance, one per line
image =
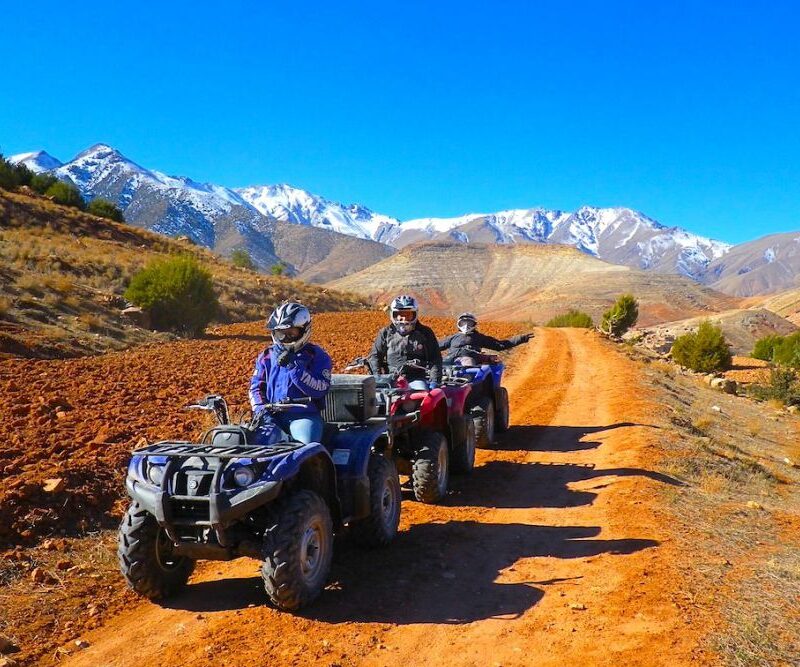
(404, 315)
(289, 335)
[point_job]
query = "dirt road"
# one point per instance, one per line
(553, 552)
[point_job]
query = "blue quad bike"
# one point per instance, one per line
(488, 400)
(225, 497)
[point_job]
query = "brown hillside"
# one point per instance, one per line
(63, 273)
(527, 282)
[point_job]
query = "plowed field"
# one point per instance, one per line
(552, 552)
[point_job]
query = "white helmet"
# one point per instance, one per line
(290, 325)
(404, 304)
(467, 323)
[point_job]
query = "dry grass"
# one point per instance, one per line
(738, 517)
(5, 305)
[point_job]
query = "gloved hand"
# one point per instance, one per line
(433, 385)
(285, 357)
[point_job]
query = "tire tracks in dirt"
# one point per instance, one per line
(553, 551)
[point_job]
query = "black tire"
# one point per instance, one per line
(145, 556)
(464, 451)
(484, 416)
(297, 548)
(503, 410)
(380, 527)
(430, 472)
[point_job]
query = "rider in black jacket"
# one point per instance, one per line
(469, 341)
(406, 341)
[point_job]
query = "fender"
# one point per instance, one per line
(433, 409)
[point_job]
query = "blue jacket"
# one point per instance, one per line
(308, 373)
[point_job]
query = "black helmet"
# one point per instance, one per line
(404, 303)
(290, 325)
(466, 323)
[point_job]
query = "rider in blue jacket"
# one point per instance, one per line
(291, 369)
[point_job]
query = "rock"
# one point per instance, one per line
(793, 409)
(5, 661)
(81, 644)
(753, 505)
(789, 462)
(724, 384)
(42, 576)
(577, 606)
(53, 485)
(137, 316)
(60, 414)
(7, 646)
(716, 408)
(63, 565)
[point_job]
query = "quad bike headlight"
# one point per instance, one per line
(244, 476)
(155, 474)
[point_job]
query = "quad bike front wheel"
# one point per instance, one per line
(503, 410)
(484, 415)
(430, 474)
(380, 527)
(464, 451)
(297, 549)
(146, 557)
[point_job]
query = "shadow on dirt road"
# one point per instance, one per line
(434, 573)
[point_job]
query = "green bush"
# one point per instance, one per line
(105, 209)
(764, 348)
(705, 350)
(277, 269)
(241, 258)
(177, 292)
(787, 351)
(783, 385)
(66, 194)
(13, 176)
(621, 316)
(572, 318)
(41, 182)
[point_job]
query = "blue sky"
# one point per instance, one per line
(687, 111)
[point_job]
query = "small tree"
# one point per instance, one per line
(241, 258)
(13, 176)
(277, 269)
(66, 194)
(621, 316)
(105, 209)
(178, 294)
(764, 348)
(787, 351)
(704, 351)
(41, 182)
(572, 318)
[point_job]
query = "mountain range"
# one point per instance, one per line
(254, 218)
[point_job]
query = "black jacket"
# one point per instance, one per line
(461, 344)
(391, 350)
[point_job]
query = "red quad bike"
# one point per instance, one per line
(430, 430)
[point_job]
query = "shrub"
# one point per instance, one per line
(621, 316)
(13, 175)
(277, 269)
(178, 294)
(572, 318)
(764, 348)
(41, 182)
(787, 351)
(241, 258)
(704, 351)
(65, 194)
(105, 209)
(783, 386)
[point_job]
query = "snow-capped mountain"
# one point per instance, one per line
(284, 202)
(38, 161)
(217, 216)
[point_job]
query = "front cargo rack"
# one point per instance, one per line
(190, 449)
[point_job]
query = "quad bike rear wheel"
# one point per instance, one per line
(430, 472)
(146, 557)
(297, 548)
(484, 416)
(464, 451)
(380, 527)
(503, 410)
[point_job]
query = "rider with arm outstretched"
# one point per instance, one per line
(468, 341)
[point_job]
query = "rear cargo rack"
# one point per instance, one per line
(189, 449)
